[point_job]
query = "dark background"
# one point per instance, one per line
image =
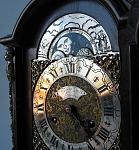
(9, 13)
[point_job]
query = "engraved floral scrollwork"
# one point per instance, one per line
(37, 68)
(111, 64)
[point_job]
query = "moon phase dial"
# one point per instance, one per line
(74, 34)
(76, 106)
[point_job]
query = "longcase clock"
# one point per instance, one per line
(66, 67)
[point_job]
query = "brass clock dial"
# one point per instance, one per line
(76, 106)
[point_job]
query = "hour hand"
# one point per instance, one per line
(85, 124)
(72, 111)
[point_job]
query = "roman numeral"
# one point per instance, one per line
(54, 141)
(70, 148)
(88, 71)
(63, 147)
(108, 100)
(43, 88)
(70, 67)
(90, 146)
(41, 107)
(103, 133)
(102, 89)
(109, 111)
(54, 73)
(44, 125)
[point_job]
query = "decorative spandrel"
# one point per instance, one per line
(36, 69)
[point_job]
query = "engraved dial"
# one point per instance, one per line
(73, 109)
(76, 106)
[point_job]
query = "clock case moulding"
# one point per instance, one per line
(22, 48)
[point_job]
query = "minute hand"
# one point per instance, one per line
(84, 124)
(74, 113)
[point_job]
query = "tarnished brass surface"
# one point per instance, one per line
(88, 106)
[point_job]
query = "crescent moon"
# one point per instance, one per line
(73, 92)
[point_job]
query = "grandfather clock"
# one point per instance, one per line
(70, 66)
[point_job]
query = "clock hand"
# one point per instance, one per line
(86, 124)
(72, 111)
(75, 113)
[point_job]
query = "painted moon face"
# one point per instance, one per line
(64, 45)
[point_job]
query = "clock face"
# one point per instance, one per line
(75, 102)
(76, 106)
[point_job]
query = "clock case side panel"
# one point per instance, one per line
(129, 44)
(22, 104)
(23, 59)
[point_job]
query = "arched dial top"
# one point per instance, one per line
(74, 34)
(77, 95)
